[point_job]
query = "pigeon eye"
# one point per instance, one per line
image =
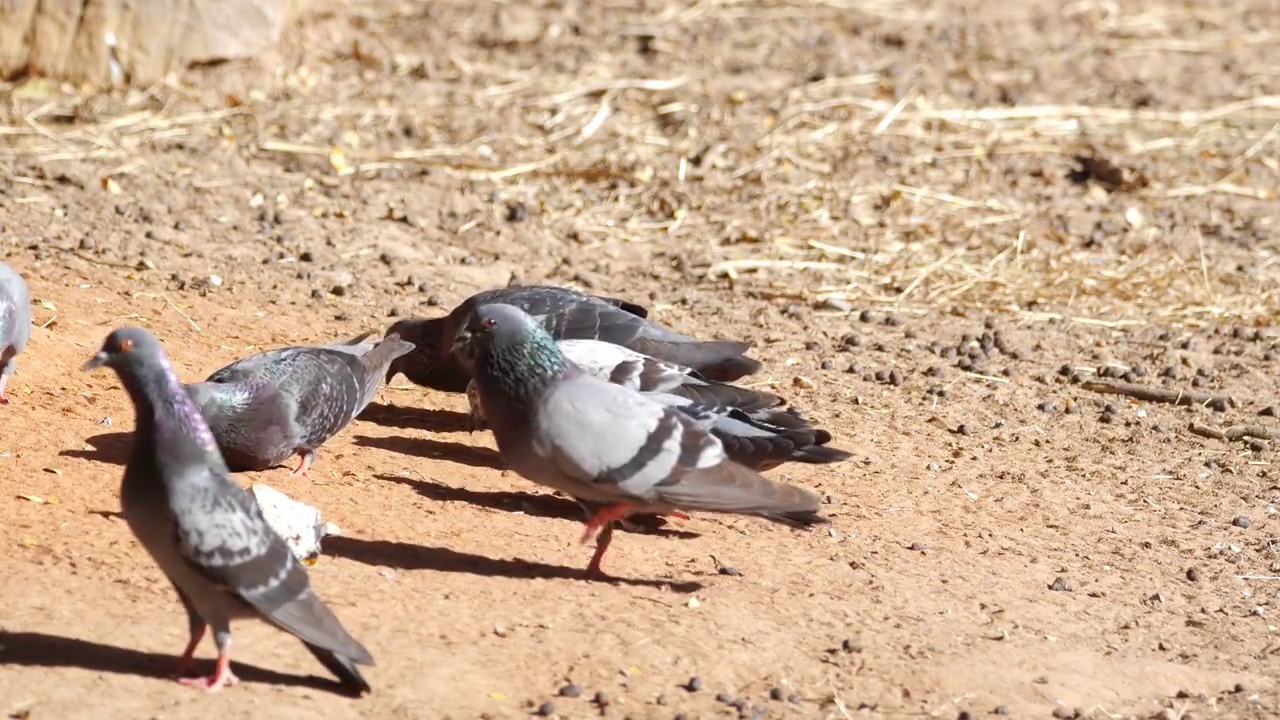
(488, 323)
(126, 345)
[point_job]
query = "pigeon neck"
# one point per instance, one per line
(525, 372)
(165, 408)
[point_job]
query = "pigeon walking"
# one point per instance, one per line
(207, 534)
(565, 314)
(605, 444)
(754, 431)
(264, 408)
(15, 323)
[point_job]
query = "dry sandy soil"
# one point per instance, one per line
(938, 223)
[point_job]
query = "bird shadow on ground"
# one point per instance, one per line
(532, 504)
(398, 416)
(112, 447)
(435, 450)
(408, 556)
(33, 649)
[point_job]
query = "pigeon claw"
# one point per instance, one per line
(187, 663)
(221, 677)
(304, 466)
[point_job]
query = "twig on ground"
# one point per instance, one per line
(1160, 395)
(1235, 432)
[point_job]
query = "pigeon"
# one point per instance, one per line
(754, 432)
(604, 444)
(565, 314)
(15, 323)
(208, 534)
(264, 408)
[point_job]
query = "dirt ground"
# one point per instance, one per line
(938, 224)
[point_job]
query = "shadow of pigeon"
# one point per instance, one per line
(412, 418)
(112, 447)
(33, 649)
(543, 505)
(435, 450)
(408, 556)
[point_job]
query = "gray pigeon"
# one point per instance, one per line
(15, 323)
(604, 444)
(753, 430)
(565, 314)
(208, 534)
(264, 408)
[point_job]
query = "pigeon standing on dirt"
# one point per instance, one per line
(264, 408)
(754, 431)
(565, 314)
(605, 444)
(207, 534)
(15, 323)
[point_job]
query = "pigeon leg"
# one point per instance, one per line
(602, 518)
(196, 627)
(602, 543)
(308, 457)
(222, 676)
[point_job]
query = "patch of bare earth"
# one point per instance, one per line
(947, 228)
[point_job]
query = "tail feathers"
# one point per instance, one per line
(732, 396)
(377, 364)
(803, 519)
(720, 360)
(820, 455)
(730, 487)
(343, 667)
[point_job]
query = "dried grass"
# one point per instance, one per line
(945, 225)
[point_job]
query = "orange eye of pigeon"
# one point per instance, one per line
(126, 345)
(488, 323)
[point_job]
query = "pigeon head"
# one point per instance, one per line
(506, 340)
(126, 350)
(418, 363)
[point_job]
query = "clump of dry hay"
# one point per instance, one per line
(941, 225)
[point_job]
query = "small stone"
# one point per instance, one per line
(918, 547)
(963, 429)
(777, 695)
(850, 645)
(853, 368)
(1062, 713)
(339, 290)
(694, 684)
(1060, 584)
(602, 698)
(1239, 688)
(306, 256)
(895, 378)
(827, 365)
(794, 699)
(851, 341)
(570, 691)
(662, 699)
(682, 716)
(725, 698)
(964, 715)
(1193, 574)
(729, 570)
(866, 316)
(1268, 411)
(1047, 406)
(1002, 710)
(1241, 522)
(433, 300)
(882, 376)
(1107, 417)
(547, 709)
(317, 294)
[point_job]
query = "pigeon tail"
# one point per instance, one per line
(341, 666)
(719, 360)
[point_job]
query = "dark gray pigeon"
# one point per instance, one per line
(15, 323)
(604, 444)
(207, 534)
(755, 432)
(567, 315)
(264, 408)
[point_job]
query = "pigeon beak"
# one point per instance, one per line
(96, 362)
